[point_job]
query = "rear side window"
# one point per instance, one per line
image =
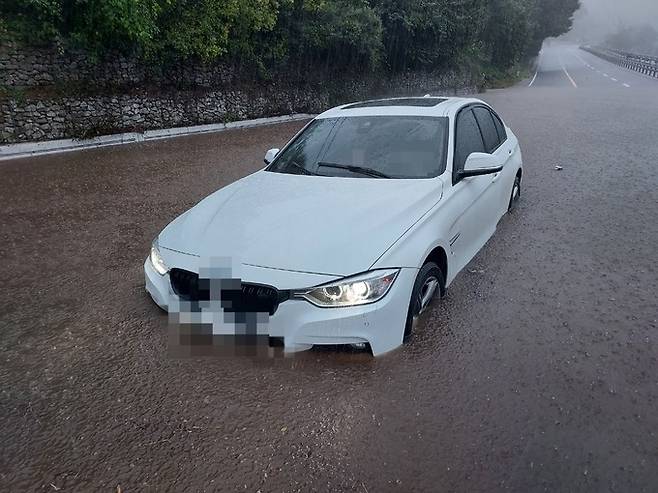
(500, 128)
(467, 139)
(489, 132)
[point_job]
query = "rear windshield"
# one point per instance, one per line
(368, 147)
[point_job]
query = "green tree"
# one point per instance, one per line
(31, 21)
(99, 25)
(330, 33)
(301, 35)
(549, 18)
(429, 33)
(208, 29)
(508, 31)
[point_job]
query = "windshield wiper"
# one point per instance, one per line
(302, 169)
(355, 169)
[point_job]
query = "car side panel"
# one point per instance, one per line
(511, 152)
(412, 248)
(472, 204)
(440, 226)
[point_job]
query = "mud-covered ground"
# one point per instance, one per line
(537, 372)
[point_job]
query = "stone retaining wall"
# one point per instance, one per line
(48, 94)
(35, 67)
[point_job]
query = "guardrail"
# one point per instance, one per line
(644, 64)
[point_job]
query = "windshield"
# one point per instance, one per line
(368, 147)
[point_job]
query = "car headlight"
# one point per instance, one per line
(358, 290)
(157, 261)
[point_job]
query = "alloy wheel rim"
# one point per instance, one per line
(427, 293)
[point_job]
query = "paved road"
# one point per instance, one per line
(564, 66)
(538, 372)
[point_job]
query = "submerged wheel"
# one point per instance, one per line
(516, 192)
(429, 282)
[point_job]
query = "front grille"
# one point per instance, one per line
(246, 297)
(186, 285)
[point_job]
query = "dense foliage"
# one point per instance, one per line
(339, 34)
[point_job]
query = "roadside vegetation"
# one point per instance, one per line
(496, 38)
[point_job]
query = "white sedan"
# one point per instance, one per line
(349, 232)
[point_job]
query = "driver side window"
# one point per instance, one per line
(468, 140)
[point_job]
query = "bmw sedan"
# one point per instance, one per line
(349, 232)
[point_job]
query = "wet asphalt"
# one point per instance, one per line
(537, 372)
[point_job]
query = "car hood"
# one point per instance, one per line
(327, 225)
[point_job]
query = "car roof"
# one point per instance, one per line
(410, 106)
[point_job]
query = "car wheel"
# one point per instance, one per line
(516, 192)
(429, 282)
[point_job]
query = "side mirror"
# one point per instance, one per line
(270, 155)
(479, 163)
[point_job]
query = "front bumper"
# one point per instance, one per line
(302, 325)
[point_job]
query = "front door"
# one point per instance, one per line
(473, 199)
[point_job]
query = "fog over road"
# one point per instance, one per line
(538, 372)
(563, 65)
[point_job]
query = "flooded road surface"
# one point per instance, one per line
(537, 372)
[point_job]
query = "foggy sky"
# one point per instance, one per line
(599, 18)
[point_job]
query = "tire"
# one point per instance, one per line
(421, 297)
(516, 193)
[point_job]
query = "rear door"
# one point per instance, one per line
(497, 144)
